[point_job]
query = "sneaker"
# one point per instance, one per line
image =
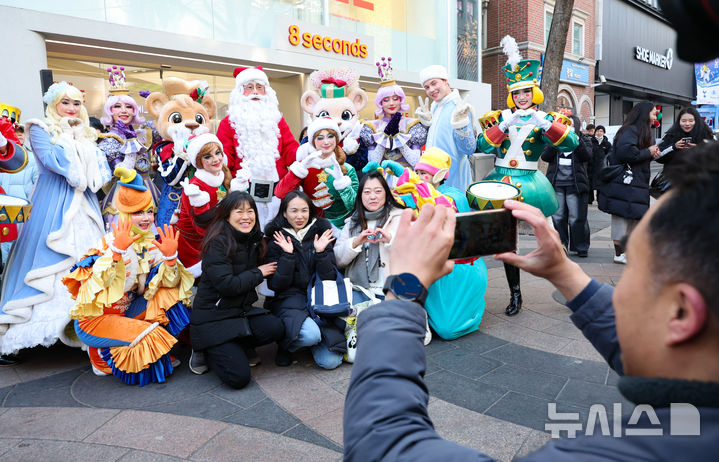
(8, 360)
(98, 372)
(197, 362)
(252, 357)
(283, 358)
(582, 253)
(621, 259)
(175, 362)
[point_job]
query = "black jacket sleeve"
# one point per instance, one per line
(218, 269)
(549, 154)
(325, 265)
(626, 150)
(583, 152)
(282, 279)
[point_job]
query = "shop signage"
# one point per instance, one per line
(664, 61)
(574, 73)
(303, 37)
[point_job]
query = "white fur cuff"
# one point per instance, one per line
(198, 200)
(458, 125)
(303, 151)
(237, 184)
(38, 122)
(196, 269)
(299, 170)
(342, 182)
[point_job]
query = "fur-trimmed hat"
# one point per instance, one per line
(321, 123)
(435, 71)
(433, 160)
(195, 143)
(244, 75)
(132, 195)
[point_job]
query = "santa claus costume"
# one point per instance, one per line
(256, 139)
(200, 195)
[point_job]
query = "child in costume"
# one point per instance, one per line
(120, 144)
(200, 194)
(518, 135)
(324, 175)
(224, 324)
(450, 121)
(455, 303)
(393, 136)
(35, 306)
(131, 294)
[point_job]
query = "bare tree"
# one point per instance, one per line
(554, 54)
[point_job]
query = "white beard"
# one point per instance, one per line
(180, 133)
(256, 132)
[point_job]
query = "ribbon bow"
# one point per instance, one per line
(335, 82)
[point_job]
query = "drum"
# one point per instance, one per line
(489, 195)
(14, 209)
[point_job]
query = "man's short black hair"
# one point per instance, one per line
(683, 228)
(590, 127)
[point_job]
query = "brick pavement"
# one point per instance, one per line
(489, 390)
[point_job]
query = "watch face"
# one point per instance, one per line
(407, 286)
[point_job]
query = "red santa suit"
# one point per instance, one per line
(257, 140)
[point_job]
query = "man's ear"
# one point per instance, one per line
(689, 315)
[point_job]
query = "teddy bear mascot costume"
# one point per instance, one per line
(183, 108)
(256, 139)
(392, 136)
(131, 293)
(336, 93)
(450, 121)
(35, 306)
(121, 144)
(518, 135)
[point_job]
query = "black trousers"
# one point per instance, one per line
(229, 361)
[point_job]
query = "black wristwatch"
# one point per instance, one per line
(406, 286)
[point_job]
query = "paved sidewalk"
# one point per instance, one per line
(489, 390)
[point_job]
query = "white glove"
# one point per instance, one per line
(78, 128)
(315, 160)
(129, 161)
(3, 141)
(341, 181)
(241, 181)
(65, 125)
(538, 119)
(511, 121)
(423, 112)
(460, 114)
(197, 197)
(350, 145)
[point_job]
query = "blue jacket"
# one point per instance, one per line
(386, 406)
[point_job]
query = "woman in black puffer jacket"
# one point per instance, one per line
(626, 197)
(302, 245)
(689, 124)
(567, 171)
(222, 310)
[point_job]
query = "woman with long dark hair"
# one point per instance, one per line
(301, 244)
(688, 130)
(224, 324)
(626, 197)
(363, 245)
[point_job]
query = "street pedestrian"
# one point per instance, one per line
(688, 131)
(601, 147)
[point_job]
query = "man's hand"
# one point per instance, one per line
(422, 247)
(423, 112)
(548, 260)
(461, 112)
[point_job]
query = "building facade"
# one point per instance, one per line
(529, 21)
(200, 39)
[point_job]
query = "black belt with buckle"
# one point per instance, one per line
(262, 190)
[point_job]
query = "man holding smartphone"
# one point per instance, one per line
(658, 329)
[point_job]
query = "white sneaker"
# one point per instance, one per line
(622, 259)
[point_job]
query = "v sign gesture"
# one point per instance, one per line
(423, 112)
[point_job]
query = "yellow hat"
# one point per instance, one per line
(132, 195)
(433, 161)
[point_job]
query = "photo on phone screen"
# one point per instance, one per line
(484, 233)
(687, 139)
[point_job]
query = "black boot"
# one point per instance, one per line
(283, 358)
(515, 298)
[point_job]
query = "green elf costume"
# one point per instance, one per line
(518, 136)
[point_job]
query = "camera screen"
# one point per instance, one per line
(484, 233)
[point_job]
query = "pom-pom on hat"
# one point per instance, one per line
(132, 195)
(195, 143)
(321, 123)
(433, 161)
(244, 75)
(435, 71)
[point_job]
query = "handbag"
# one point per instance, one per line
(659, 185)
(610, 171)
(329, 298)
(369, 299)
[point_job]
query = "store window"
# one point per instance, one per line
(578, 38)
(467, 35)
(548, 15)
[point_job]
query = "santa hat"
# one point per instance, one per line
(321, 123)
(132, 195)
(195, 143)
(433, 161)
(245, 75)
(435, 71)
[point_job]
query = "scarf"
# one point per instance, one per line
(364, 270)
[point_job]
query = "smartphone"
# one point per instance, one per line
(484, 233)
(687, 139)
